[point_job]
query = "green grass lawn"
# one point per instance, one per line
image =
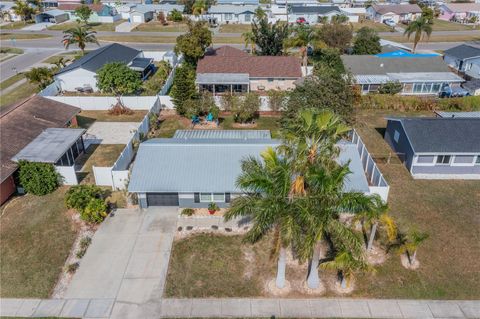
(11, 80)
(271, 123)
(235, 28)
(21, 92)
(379, 27)
(155, 26)
(23, 36)
(15, 25)
(96, 26)
(11, 50)
(36, 236)
(86, 118)
(442, 25)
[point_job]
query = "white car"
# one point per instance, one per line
(389, 22)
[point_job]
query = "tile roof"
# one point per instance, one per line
(442, 135)
(96, 59)
(22, 122)
(463, 51)
(397, 8)
(255, 66)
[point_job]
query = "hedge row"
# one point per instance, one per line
(414, 103)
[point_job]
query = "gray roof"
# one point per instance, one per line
(425, 77)
(55, 12)
(222, 78)
(158, 7)
(96, 59)
(472, 84)
(50, 145)
(224, 134)
(239, 2)
(372, 65)
(140, 64)
(212, 165)
(232, 9)
(442, 135)
(313, 9)
(463, 51)
(458, 114)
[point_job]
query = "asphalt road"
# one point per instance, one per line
(22, 62)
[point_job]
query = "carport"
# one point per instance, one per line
(52, 16)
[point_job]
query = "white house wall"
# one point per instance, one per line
(68, 81)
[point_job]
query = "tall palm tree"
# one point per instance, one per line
(347, 265)
(301, 36)
(80, 36)
(199, 7)
(420, 27)
(249, 39)
(267, 184)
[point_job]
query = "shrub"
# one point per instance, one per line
(188, 211)
(229, 101)
(81, 253)
(175, 16)
(190, 108)
(246, 111)
(391, 88)
(213, 206)
(276, 100)
(38, 178)
(215, 111)
(85, 242)
(71, 268)
(118, 78)
(155, 83)
(95, 211)
(78, 196)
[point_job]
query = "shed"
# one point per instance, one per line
(141, 15)
(52, 16)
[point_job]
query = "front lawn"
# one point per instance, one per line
(235, 28)
(379, 27)
(23, 36)
(435, 38)
(442, 25)
(156, 26)
(96, 26)
(15, 25)
(86, 118)
(36, 237)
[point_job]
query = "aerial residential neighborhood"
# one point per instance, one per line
(239, 159)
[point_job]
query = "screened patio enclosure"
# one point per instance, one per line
(218, 83)
(144, 66)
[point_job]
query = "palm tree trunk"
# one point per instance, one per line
(343, 281)
(281, 265)
(414, 258)
(372, 236)
(313, 280)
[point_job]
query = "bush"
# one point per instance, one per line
(187, 211)
(215, 111)
(175, 16)
(155, 83)
(71, 268)
(229, 101)
(414, 103)
(391, 88)
(38, 178)
(247, 109)
(118, 78)
(213, 207)
(78, 196)
(85, 242)
(276, 100)
(95, 211)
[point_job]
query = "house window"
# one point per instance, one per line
(248, 17)
(425, 159)
(417, 88)
(396, 136)
(228, 16)
(443, 159)
(477, 162)
(212, 197)
(365, 87)
(436, 87)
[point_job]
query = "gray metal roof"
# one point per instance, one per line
(212, 165)
(140, 64)
(442, 135)
(50, 145)
(223, 134)
(299, 9)
(371, 79)
(96, 59)
(458, 114)
(223, 78)
(463, 51)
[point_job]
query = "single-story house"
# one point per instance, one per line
(82, 73)
(202, 167)
(7, 12)
(101, 12)
(242, 14)
(140, 15)
(396, 12)
(460, 12)
(228, 69)
(166, 8)
(464, 58)
(437, 148)
(315, 14)
(20, 124)
(52, 16)
(418, 75)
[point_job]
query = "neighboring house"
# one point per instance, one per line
(212, 175)
(437, 148)
(101, 12)
(472, 86)
(82, 73)
(464, 58)
(316, 14)
(227, 69)
(232, 13)
(7, 13)
(141, 15)
(418, 75)
(146, 12)
(52, 16)
(396, 12)
(239, 2)
(460, 12)
(20, 124)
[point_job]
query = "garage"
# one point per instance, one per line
(162, 199)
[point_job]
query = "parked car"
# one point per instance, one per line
(457, 91)
(389, 22)
(301, 20)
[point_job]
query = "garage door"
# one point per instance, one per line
(162, 199)
(137, 19)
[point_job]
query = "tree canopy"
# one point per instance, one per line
(366, 41)
(269, 37)
(194, 42)
(336, 35)
(118, 78)
(83, 13)
(183, 88)
(329, 58)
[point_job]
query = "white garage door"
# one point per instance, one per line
(137, 19)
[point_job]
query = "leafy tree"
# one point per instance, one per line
(38, 178)
(246, 110)
(366, 41)
(328, 58)
(83, 13)
(419, 27)
(23, 10)
(183, 87)
(194, 42)
(277, 100)
(175, 16)
(391, 88)
(41, 76)
(199, 7)
(336, 35)
(269, 37)
(118, 78)
(249, 40)
(267, 185)
(300, 37)
(80, 36)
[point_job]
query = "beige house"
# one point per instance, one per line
(227, 69)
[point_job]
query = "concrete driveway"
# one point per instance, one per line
(128, 258)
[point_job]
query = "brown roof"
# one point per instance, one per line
(73, 6)
(255, 66)
(22, 122)
(227, 51)
(397, 8)
(462, 7)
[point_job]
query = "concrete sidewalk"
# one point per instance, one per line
(237, 308)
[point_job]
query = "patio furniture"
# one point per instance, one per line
(209, 117)
(195, 120)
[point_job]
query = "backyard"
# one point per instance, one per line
(447, 210)
(36, 235)
(86, 118)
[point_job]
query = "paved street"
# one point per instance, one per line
(24, 61)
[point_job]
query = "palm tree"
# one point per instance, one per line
(267, 185)
(61, 62)
(199, 7)
(41, 76)
(347, 265)
(23, 9)
(80, 36)
(420, 27)
(408, 244)
(249, 39)
(301, 36)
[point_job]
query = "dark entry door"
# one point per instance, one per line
(162, 199)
